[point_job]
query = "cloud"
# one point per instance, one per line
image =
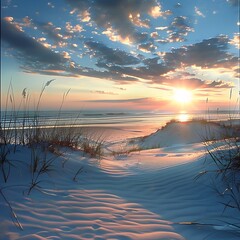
(154, 35)
(210, 53)
(84, 16)
(147, 47)
(109, 56)
(198, 12)
(178, 29)
(57, 34)
(50, 5)
(8, 19)
(235, 3)
(135, 19)
(121, 16)
(77, 71)
(120, 88)
(179, 81)
(191, 83)
(117, 65)
(178, 5)
(73, 29)
(161, 28)
(236, 40)
(140, 103)
(151, 70)
(28, 49)
(132, 100)
(49, 29)
(36, 58)
(161, 88)
(103, 92)
(218, 84)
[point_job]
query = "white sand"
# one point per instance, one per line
(183, 133)
(150, 194)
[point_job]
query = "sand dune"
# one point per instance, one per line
(184, 133)
(150, 194)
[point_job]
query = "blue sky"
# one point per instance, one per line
(122, 53)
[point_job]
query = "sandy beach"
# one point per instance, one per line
(151, 193)
(120, 120)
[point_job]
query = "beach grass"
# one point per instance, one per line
(45, 144)
(226, 156)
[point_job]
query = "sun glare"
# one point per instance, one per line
(182, 95)
(183, 117)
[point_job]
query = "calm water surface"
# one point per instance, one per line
(107, 118)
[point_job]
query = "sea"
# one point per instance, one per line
(155, 119)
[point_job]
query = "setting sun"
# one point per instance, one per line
(182, 95)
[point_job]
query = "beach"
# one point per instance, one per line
(120, 120)
(150, 192)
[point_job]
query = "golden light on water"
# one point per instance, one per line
(183, 117)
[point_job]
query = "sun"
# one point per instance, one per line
(181, 95)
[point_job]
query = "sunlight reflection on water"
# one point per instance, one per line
(183, 117)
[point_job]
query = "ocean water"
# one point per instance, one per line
(105, 118)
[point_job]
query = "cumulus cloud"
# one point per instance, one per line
(8, 19)
(59, 35)
(28, 49)
(68, 70)
(154, 34)
(84, 16)
(195, 83)
(208, 53)
(121, 16)
(27, 21)
(117, 65)
(49, 29)
(137, 21)
(73, 29)
(150, 70)
(109, 56)
(179, 29)
(236, 40)
(147, 47)
(56, 34)
(217, 84)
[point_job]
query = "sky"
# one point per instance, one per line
(122, 54)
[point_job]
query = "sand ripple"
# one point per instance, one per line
(111, 200)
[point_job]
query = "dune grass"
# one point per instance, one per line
(20, 126)
(225, 154)
(226, 157)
